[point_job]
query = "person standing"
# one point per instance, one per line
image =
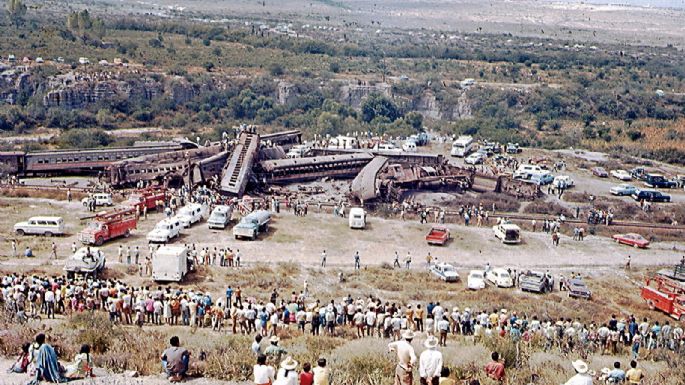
(53, 249)
(407, 261)
(396, 262)
(136, 255)
(14, 248)
(120, 254)
(357, 265)
(128, 255)
(406, 359)
(430, 363)
(323, 258)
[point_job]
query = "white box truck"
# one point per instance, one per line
(170, 264)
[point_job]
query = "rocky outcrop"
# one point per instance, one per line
(429, 106)
(354, 94)
(81, 93)
(287, 93)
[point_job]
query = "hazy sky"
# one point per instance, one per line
(653, 3)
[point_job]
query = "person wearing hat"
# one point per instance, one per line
(430, 363)
(406, 358)
(273, 350)
(582, 376)
(287, 374)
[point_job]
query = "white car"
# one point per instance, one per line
(508, 233)
(525, 171)
(101, 199)
(499, 277)
(476, 280)
(563, 181)
(190, 214)
(165, 230)
(621, 175)
(475, 158)
(445, 272)
(47, 226)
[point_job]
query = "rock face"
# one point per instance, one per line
(429, 106)
(353, 95)
(83, 92)
(287, 93)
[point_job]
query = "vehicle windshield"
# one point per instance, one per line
(504, 275)
(512, 234)
(94, 226)
(448, 268)
(477, 275)
(184, 211)
(161, 226)
(218, 215)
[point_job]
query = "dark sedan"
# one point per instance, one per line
(577, 289)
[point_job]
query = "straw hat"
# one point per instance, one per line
(431, 342)
(274, 339)
(456, 308)
(606, 370)
(408, 335)
(580, 366)
(289, 363)
(559, 323)
(504, 311)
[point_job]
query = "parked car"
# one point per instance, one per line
(542, 179)
(101, 199)
(651, 196)
(499, 277)
(475, 158)
(631, 239)
(600, 172)
(621, 175)
(534, 281)
(659, 181)
(638, 173)
(47, 226)
(513, 148)
(525, 171)
(438, 235)
(191, 214)
(86, 260)
(563, 181)
(165, 230)
(577, 288)
(475, 280)
(507, 232)
(445, 271)
(623, 190)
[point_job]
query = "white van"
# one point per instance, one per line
(409, 146)
(525, 171)
(220, 217)
(462, 146)
(101, 199)
(357, 218)
(191, 214)
(165, 230)
(170, 264)
(47, 226)
(499, 277)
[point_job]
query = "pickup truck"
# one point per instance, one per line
(252, 224)
(659, 181)
(438, 235)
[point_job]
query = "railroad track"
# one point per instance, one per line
(615, 223)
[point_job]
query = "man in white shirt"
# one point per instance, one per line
(263, 374)
(406, 358)
(582, 376)
(430, 363)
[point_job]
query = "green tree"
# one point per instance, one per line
(16, 10)
(414, 119)
(377, 105)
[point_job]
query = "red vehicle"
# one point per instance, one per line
(108, 225)
(600, 172)
(439, 235)
(667, 296)
(147, 197)
(631, 239)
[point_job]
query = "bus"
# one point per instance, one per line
(462, 146)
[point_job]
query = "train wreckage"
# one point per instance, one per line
(255, 161)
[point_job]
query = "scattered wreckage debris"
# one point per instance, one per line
(520, 189)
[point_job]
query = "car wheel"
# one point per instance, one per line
(20, 232)
(99, 241)
(48, 234)
(651, 305)
(127, 234)
(682, 318)
(635, 245)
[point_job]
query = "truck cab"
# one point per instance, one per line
(191, 214)
(220, 217)
(164, 231)
(666, 295)
(101, 199)
(108, 225)
(658, 181)
(252, 224)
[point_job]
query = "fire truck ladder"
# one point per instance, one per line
(236, 173)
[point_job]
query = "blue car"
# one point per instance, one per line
(541, 179)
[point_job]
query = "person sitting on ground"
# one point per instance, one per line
(263, 373)
(22, 363)
(82, 366)
(175, 360)
(617, 375)
(274, 351)
(582, 376)
(634, 375)
(445, 377)
(287, 374)
(307, 377)
(495, 368)
(322, 376)
(47, 367)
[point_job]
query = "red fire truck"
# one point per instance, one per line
(107, 225)
(666, 295)
(147, 197)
